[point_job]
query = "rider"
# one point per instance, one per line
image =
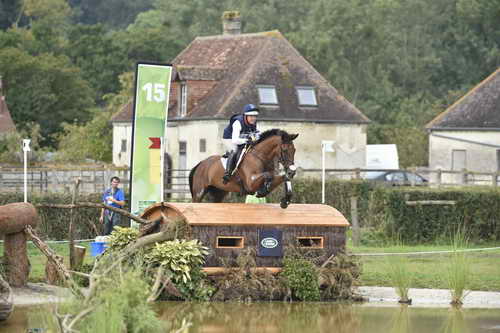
(238, 133)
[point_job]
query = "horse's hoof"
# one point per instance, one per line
(284, 204)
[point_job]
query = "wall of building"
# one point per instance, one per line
(122, 131)
(479, 158)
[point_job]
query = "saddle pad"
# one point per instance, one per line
(223, 160)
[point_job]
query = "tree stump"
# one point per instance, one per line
(13, 219)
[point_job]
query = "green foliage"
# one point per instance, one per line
(197, 288)
(53, 224)
(458, 269)
(11, 145)
(43, 85)
(178, 256)
(399, 275)
(120, 305)
(121, 237)
(301, 277)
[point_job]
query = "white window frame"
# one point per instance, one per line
(183, 99)
(308, 89)
(272, 90)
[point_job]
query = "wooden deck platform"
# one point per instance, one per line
(198, 214)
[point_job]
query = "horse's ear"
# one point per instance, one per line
(293, 136)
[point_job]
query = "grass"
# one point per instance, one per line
(400, 275)
(458, 268)
(431, 271)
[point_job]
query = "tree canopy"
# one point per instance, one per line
(399, 61)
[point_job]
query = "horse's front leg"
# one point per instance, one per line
(270, 182)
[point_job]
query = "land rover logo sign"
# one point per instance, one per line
(269, 243)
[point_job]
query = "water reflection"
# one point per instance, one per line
(455, 322)
(401, 320)
(263, 317)
(295, 318)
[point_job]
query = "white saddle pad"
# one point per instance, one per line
(223, 160)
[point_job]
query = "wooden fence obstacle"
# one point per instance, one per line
(228, 229)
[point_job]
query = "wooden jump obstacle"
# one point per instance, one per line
(228, 229)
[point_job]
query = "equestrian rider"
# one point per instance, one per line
(239, 132)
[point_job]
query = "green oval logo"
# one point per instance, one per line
(269, 243)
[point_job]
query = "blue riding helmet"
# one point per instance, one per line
(250, 110)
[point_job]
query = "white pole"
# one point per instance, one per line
(323, 173)
(25, 176)
(26, 149)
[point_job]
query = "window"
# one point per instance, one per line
(203, 145)
(315, 242)
(267, 95)
(183, 100)
(307, 96)
(458, 159)
(230, 242)
(124, 146)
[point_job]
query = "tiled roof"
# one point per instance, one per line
(241, 62)
(479, 108)
(6, 123)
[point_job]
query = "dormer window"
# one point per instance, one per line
(307, 96)
(267, 95)
(183, 100)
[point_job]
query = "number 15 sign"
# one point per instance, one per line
(152, 87)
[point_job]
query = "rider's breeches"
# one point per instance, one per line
(229, 145)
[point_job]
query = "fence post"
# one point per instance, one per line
(464, 176)
(354, 221)
(495, 178)
(357, 173)
(438, 177)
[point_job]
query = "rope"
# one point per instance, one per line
(423, 252)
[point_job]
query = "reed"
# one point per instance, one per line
(399, 274)
(458, 269)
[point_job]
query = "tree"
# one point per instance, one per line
(94, 140)
(45, 89)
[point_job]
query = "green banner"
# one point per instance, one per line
(152, 92)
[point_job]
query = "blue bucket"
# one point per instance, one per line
(96, 248)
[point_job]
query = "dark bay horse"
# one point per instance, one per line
(256, 173)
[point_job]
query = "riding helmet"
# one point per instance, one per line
(250, 110)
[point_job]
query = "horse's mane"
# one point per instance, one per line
(272, 132)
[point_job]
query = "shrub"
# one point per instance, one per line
(301, 278)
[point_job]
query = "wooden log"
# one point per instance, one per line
(16, 259)
(71, 231)
(52, 274)
(16, 216)
(430, 202)
(79, 252)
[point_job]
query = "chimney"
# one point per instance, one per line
(231, 23)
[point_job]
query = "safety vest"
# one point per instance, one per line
(245, 128)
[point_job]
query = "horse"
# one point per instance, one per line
(256, 172)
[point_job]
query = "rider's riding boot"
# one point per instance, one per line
(229, 167)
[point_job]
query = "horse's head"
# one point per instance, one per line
(287, 153)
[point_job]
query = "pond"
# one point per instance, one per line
(298, 317)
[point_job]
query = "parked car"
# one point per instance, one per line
(395, 177)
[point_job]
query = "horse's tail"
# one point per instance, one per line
(191, 175)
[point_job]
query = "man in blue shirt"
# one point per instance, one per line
(114, 197)
(236, 134)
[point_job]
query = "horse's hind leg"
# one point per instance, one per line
(215, 194)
